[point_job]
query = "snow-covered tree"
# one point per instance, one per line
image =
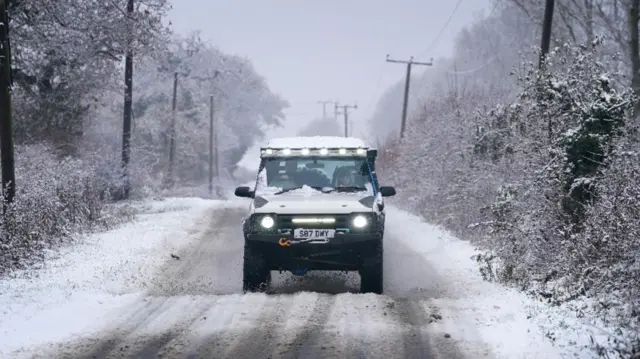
(244, 108)
(66, 54)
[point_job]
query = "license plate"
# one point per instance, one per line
(304, 233)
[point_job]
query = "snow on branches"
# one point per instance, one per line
(66, 53)
(547, 182)
(244, 107)
(55, 199)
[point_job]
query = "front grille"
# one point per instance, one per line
(341, 221)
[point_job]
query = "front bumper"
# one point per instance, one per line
(339, 239)
(346, 252)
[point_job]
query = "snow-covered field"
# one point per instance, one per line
(170, 284)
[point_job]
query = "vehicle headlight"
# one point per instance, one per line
(267, 222)
(360, 221)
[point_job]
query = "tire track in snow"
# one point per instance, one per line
(302, 337)
(197, 272)
(253, 333)
(131, 321)
(137, 341)
(411, 281)
(210, 265)
(150, 346)
(189, 275)
(418, 342)
(217, 318)
(350, 326)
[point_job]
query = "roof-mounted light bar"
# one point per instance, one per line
(324, 151)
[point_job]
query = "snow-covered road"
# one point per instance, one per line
(169, 285)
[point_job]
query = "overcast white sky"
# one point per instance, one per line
(311, 50)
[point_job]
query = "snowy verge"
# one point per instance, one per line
(105, 270)
(480, 313)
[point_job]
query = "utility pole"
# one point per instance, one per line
(546, 32)
(407, 82)
(216, 139)
(545, 43)
(172, 130)
(324, 108)
(345, 112)
(6, 122)
(335, 110)
(211, 136)
(128, 103)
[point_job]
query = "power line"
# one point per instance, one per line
(442, 30)
(474, 70)
(372, 102)
(496, 4)
(429, 48)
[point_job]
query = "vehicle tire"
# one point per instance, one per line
(371, 273)
(256, 275)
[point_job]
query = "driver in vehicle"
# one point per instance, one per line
(345, 178)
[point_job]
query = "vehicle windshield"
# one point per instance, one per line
(327, 174)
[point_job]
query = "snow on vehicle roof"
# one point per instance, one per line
(316, 142)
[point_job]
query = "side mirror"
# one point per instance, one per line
(244, 192)
(387, 191)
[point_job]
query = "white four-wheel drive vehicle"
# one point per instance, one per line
(316, 205)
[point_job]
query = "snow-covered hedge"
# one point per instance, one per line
(55, 198)
(547, 183)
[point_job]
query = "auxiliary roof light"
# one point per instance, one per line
(361, 151)
(324, 151)
(268, 151)
(286, 151)
(305, 151)
(342, 151)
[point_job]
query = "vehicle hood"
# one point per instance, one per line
(321, 203)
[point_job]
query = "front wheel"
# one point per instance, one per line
(256, 275)
(371, 273)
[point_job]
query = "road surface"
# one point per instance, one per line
(195, 309)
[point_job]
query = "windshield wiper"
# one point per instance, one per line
(287, 190)
(346, 189)
(295, 188)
